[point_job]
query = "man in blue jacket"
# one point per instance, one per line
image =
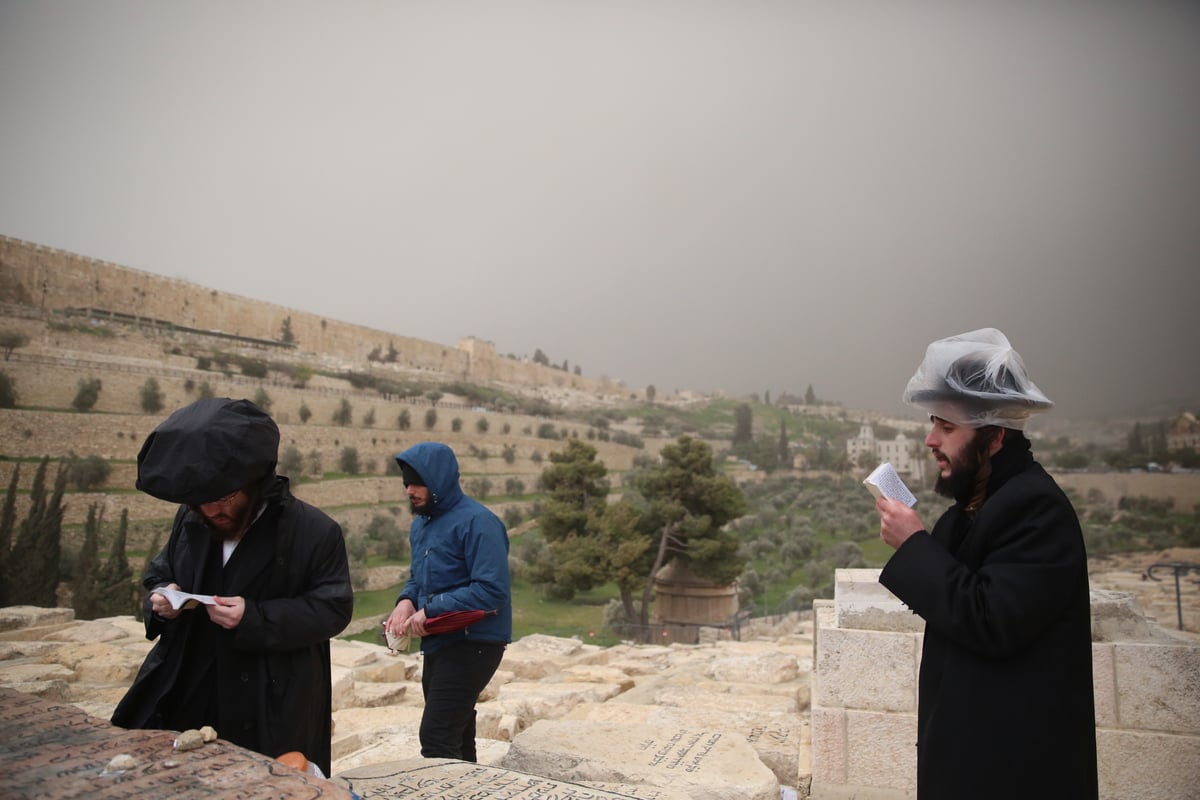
(459, 564)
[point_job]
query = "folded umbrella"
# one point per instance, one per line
(442, 623)
(455, 620)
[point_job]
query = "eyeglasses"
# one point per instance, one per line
(227, 500)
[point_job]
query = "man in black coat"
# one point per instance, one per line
(1005, 701)
(251, 658)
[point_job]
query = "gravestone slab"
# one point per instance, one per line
(704, 763)
(435, 779)
(50, 751)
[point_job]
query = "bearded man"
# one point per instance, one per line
(251, 656)
(459, 566)
(1005, 705)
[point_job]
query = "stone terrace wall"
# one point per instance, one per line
(50, 279)
(864, 699)
(33, 434)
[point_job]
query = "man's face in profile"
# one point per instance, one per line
(957, 452)
(418, 497)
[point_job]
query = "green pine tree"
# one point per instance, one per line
(690, 504)
(575, 559)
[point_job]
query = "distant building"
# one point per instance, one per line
(1184, 432)
(905, 455)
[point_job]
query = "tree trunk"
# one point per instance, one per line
(648, 591)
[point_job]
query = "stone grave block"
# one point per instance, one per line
(50, 751)
(706, 764)
(780, 740)
(862, 602)
(435, 779)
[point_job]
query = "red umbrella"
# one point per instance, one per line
(442, 623)
(454, 620)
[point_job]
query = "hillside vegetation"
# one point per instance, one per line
(85, 393)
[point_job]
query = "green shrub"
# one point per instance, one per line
(151, 397)
(89, 472)
(86, 395)
(8, 391)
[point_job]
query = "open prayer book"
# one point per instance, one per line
(884, 482)
(179, 599)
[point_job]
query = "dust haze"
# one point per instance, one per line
(716, 196)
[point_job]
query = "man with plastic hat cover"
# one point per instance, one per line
(459, 564)
(1005, 700)
(251, 658)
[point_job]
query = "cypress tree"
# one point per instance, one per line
(86, 594)
(117, 593)
(155, 546)
(35, 568)
(22, 580)
(8, 516)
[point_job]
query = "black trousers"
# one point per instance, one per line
(451, 680)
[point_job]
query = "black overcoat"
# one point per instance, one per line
(1005, 704)
(271, 674)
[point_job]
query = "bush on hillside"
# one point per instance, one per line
(291, 461)
(89, 472)
(151, 397)
(348, 463)
(86, 395)
(8, 391)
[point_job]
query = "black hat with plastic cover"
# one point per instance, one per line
(976, 379)
(207, 450)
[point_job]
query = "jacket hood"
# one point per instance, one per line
(438, 468)
(207, 450)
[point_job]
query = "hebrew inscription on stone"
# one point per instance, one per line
(684, 750)
(55, 752)
(458, 780)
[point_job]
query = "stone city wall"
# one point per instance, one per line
(49, 279)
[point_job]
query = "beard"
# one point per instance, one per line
(229, 527)
(960, 483)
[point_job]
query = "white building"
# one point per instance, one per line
(906, 455)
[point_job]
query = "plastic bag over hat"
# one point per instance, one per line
(207, 450)
(976, 379)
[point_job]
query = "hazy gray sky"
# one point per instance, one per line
(743, 196)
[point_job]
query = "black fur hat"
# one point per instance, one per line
(207, 450)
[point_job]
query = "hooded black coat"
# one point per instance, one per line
(1005, 702)
(266, 684)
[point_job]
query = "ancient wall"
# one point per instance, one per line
(49, 279)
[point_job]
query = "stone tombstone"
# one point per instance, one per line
(434, 779)
(50, 751)
(704, 763)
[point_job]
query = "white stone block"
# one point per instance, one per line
(863, 602)
(881, 750)
(1104, 684)
(868, 670)
(1147, 766)
(1158, 687)
(828, 745)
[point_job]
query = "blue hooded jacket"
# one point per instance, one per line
(459, 553)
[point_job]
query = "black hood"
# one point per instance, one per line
(207, 450)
